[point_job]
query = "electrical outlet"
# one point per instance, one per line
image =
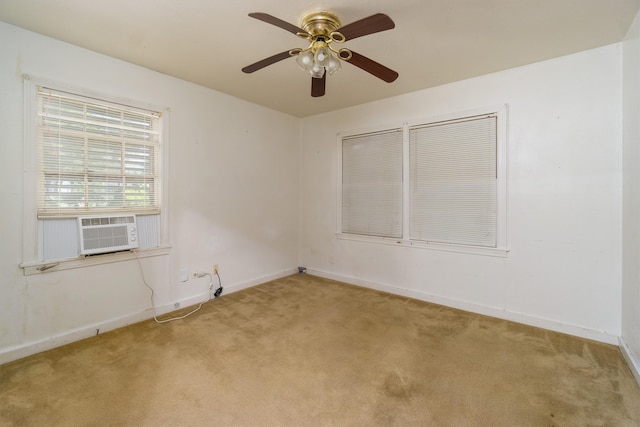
(176, 305)
(215, 268)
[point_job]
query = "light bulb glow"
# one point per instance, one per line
(317, 71)
(305, 60)
(322, 56)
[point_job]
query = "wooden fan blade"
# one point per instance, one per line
(318, 85)
(267, 61)
(265, 17)
(372, 24)
(371, 66)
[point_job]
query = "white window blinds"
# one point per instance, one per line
(372, 184)
(453, 182)
(95, 156)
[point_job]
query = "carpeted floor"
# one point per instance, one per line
(304, 351)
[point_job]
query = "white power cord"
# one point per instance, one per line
(144, 280)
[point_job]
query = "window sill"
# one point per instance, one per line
(41, 267)
(474, 250)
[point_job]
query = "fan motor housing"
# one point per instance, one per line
(320, 23)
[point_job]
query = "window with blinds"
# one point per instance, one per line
(372, 184)
(95, 156)
(453, 182)
(429, 184)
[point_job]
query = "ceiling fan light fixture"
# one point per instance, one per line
(322, 56)
(317, 71)
(305, 60)
(333, 65)
(317, 59)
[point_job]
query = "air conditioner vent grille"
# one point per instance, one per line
(104, 234)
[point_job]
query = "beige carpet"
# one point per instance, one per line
(308, 351)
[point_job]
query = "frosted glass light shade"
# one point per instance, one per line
(305, 60)
(322, 56)
(318, 61)
(317, 71)
(333, 65)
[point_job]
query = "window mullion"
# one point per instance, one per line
(123, 161)
(406, 176)
(86, 162)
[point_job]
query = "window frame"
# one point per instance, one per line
(501, 249)
(31, 264)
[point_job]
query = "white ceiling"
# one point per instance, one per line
(435, 41)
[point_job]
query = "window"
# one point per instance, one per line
(453, 184)
(438, 184)
(372, 184)
(86, 154)
(95, 157)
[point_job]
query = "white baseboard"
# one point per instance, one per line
(18, 352)
(23, 350)
(260, 280)
(632, 361)
(227, 289)
(499, 313)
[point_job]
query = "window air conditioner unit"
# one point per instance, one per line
(103, 234)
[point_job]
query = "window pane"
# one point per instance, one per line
(138, 159)
(103, 121)
(137, 126)
(104, 192)
(63, 153)
(104, 157)
(453, 185)
(372, 184)
(62, 114)
(63, 191)
(138, 192)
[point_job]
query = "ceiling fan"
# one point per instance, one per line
(320, 58)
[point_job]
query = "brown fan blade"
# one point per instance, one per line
(265, 17)
(371, 66)
(267, 61)
(372, 24)
(318, 85)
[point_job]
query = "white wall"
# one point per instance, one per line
(233, 198)
(563, 270)
(630, 339)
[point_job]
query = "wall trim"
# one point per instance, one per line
(591, 334)
(259, 281)
(23, 350)
(633, 363)
(10, 354)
